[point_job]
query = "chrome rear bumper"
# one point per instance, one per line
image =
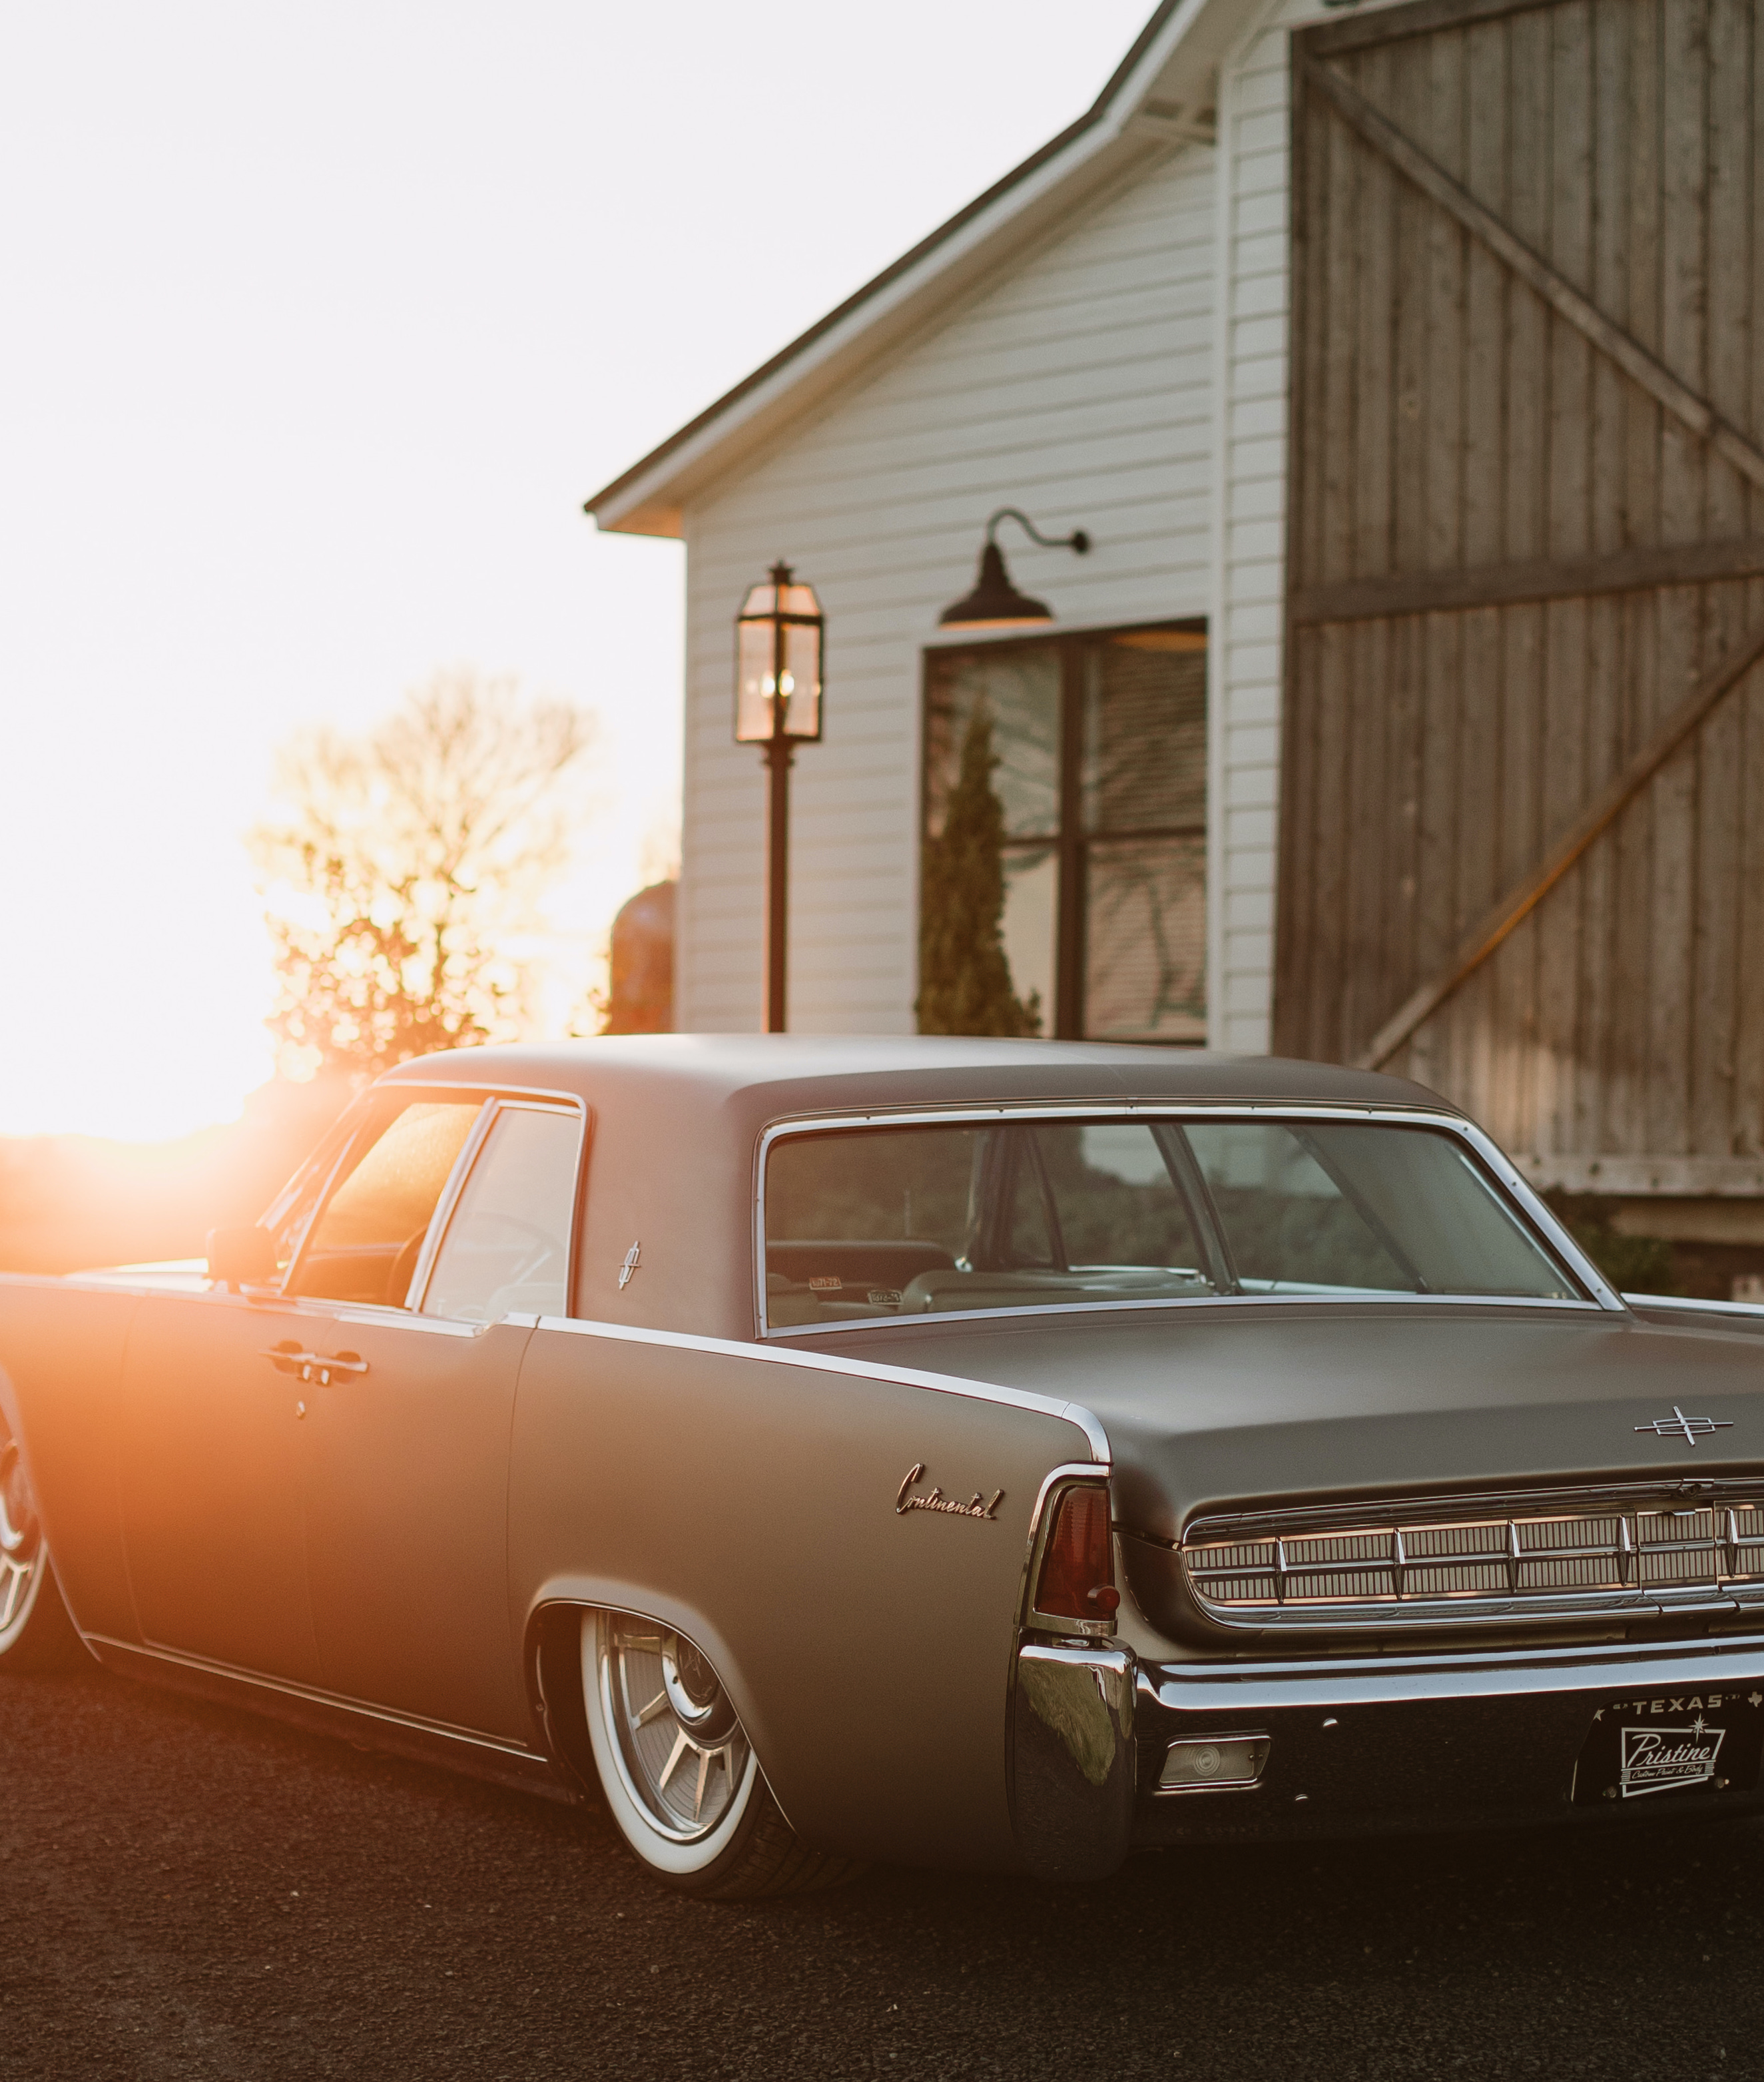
(1379, 1746)
(1074, 1758)
(1361, 1747)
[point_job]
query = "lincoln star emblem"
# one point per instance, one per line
(632, 1259)
(1690, 1429)
(936, 1500)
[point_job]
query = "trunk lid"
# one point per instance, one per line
(1253, 1405)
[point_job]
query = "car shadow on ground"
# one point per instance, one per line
(214, 1894)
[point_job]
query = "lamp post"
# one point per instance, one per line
(778, 647)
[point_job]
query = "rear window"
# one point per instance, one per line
(878, 1222)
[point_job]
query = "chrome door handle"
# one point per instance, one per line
(314, 1365)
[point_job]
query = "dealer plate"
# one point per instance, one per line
(1657, 1745)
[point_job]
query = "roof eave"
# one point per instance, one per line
(1148, 107)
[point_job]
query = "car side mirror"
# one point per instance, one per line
(242, 1257)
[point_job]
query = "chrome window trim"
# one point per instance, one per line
(1074, 1413)
(374, 1316)
(543, 1097)
(486, 1087)
(323, 1201)
(464, 1164)
(490, 1097)
(453, 1186)
(1745, 1309)
(1604, 1297)
(1371, 1300)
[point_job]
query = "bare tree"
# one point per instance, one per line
(404, 866)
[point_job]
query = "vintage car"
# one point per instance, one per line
(998, 1454)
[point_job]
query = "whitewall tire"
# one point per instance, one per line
(678, 1774)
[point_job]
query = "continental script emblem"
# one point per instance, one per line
(1657, 1760)
(936, 1500)
(1690, 1429)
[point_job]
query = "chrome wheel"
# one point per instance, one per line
(680, 1776)
(21, 1544)
(675, 1763)
(684, 1756)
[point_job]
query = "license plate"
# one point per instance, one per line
(1659, 1746)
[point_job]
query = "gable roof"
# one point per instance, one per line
(1161, 95)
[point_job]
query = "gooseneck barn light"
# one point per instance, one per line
(994, 603)
(779, 636)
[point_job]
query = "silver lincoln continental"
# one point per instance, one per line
(998, 1454)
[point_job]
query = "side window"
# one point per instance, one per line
(506, 1248)
(369, 1233)
(290, 1213)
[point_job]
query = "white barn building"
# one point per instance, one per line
(1100, 341)
(1401, 362)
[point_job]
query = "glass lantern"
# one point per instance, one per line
(778, 637)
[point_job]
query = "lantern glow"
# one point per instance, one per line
(778, 662)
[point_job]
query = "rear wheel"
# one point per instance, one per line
(36, 1633)
(680, 1776)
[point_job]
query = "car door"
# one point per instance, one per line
(216, 1387)
(407, 1472)
(212, 1475)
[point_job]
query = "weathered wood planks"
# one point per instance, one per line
(1526, 523)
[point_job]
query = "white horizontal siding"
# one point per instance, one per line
(1078, 385)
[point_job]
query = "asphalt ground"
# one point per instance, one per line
(192, 1892)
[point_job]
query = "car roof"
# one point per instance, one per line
(678, 1118)
(764, 1077)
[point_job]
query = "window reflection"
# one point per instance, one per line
(1099, 824)
(369, 1234)
(506, 1248)
(890, 1221)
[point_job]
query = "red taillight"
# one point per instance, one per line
(1078, 1570)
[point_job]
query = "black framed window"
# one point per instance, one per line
(1098, 817)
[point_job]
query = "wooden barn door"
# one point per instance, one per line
(1522, 824)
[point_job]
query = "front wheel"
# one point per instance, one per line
(36, 1633)
(680, 1776)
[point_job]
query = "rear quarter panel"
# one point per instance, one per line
(748, 1498)
(62, 1349)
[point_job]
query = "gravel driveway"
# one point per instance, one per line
(190, 1892)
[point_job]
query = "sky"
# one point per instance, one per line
(321, 323)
